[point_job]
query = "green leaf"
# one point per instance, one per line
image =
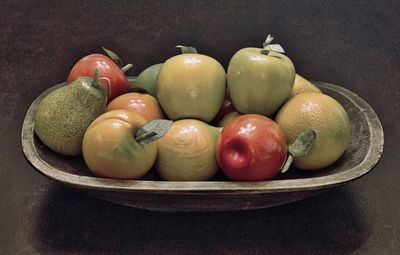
(303, 143)
(114, 57)
(272, 47)
(268, 47)
(187, 49)
(152, 131)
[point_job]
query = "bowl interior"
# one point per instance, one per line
(363, 153)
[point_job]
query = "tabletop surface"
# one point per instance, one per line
(354, 44)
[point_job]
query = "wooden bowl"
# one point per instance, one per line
(219, 194)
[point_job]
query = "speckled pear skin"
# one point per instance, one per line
(63, 116)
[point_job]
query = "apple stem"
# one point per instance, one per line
(268, 47)
(187, 49)
(287, 164)
(126, 68)
(268, 40)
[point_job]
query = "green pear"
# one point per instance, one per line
(147, 79)
(63, 116)
(302, 85)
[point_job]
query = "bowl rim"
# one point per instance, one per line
(221, 187)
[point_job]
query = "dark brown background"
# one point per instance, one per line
(354, 44)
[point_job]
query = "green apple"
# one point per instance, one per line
(260, 80)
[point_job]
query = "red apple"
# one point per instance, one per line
(251, 147)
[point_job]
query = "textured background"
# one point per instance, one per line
(354, 44)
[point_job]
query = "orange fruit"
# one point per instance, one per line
(326, 117)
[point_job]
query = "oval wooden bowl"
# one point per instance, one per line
(220, 194)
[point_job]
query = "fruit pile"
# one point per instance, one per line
(189, 119)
